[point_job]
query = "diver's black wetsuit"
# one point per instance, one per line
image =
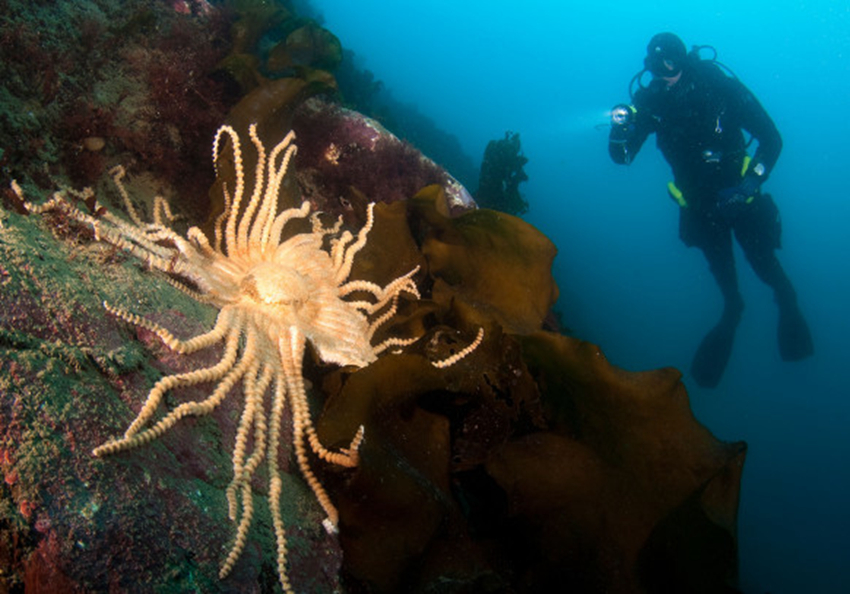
(699, 123)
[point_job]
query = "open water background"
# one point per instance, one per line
(551, 71)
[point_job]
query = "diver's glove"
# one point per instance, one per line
(750, 185)
(730, 201)
(620, 133)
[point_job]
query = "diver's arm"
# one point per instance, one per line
(754, 119)
(625, 140)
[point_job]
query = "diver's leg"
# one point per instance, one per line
(767, 267)
(721, 262)
(715, 349)
(759, 236)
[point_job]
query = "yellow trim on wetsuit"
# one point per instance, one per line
(744, 167)
(676, 195)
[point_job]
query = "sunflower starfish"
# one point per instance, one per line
(273, 295)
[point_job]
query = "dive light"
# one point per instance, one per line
(621, 114)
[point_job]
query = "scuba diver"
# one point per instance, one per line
(699, 112)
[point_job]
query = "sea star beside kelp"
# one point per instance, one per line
(275, 292)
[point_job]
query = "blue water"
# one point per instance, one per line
(551, 70)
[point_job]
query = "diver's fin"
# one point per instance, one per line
(795, 339)
(713, 353)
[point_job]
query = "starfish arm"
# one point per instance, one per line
(383, 319)
(154, 235)
(348, 259)
(449, 361)
(118, 172)
(275, 483)
(223, 323)
(232, 211)
(382, 294)
(190, 378)
(133, 238)
(260, 426)
(254, 387)
(221, 220)
(262, 229)
(338, 249)
(284, 217)
(162, 210)
(202, 242)
(241, 532)
(186, 290)
(320, 229)
(361, 285)
(246, 419)
(394, 342)
(105, 225)
(362, 306)
(201, 408)
(291, 356)
(257, 195)
(347, 457)
(275, 488)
